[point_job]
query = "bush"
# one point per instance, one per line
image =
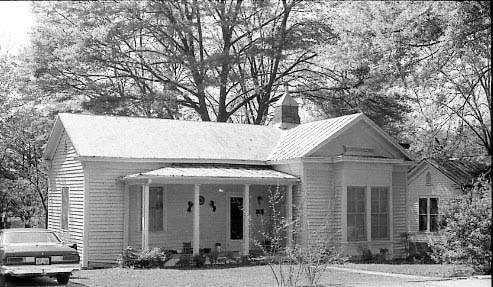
(466, 230)
(151, 258)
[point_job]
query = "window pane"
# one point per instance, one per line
(356, 226)
(422, 223)
(433, 205)
(422, 205)
(433, 222)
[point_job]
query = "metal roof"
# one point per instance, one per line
(130, 137)
(301, 140)
(214, 172)
(176, 141)
(462, 172)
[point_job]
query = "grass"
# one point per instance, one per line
(251, 276)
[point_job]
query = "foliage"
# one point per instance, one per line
(151, 258)
(466, 229)
(153, 58)
(433, 57)
(24, 129)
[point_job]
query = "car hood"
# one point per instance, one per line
(38, 249)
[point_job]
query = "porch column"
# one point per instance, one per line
(289, 216)
(196, 220)
(145, 215)
(246, 220)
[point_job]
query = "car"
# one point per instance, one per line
(31, 252)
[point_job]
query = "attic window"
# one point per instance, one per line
(428, 178)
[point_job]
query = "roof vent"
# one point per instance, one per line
(286, 111)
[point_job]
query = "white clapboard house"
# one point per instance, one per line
(432, 183)
(125, 181)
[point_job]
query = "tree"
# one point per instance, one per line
(24, 129)
(433, 57)
(218, 59)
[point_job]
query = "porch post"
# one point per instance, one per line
(196, 220)
(145, 215)
(246, 220)
(289, 216)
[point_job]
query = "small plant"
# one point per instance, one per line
(151, 258)
(290, 264)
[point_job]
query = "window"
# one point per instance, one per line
(236, 218)
(156, 209)
(428, 178)
(379, 213)
(428, 214)
(356, 214)
(65, 208)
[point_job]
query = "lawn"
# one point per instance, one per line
(428, 270)
(249, 276)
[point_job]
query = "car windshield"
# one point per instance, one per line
(31, 237)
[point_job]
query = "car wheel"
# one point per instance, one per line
(2, 280)
(63, 278)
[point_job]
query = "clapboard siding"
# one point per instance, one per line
(323, 203)
(441, 187)
(296, 168)
(399, 186)
(67, 171)
(105, 201)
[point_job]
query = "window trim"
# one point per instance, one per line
(387, 213)
(428, 213)
(428, 179)
(364, 213)
(367, 198)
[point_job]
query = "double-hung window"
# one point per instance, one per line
(65, 208)
(356, 213)
(379, 213)
(428, 214)
(368, 212)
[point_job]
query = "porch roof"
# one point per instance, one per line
(214, 174)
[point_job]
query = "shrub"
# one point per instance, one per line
(466, 230)
(151, 258)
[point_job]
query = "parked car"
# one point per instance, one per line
(31, 252)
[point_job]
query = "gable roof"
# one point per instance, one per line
(462, 172)
(146, 138)
(194, 141)
(305, 139)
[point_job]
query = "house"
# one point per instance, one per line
(432, 183)
(124, 181)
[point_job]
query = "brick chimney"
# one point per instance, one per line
(286, 111)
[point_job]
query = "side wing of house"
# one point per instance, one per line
(108, 207)
(431, 189)
(66, 186)
(353, 189)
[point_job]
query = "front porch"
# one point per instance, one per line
(196, 209)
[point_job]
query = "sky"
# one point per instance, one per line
(15, 21)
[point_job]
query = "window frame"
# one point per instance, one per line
(430, 227)
(356, 213)
(381, 211)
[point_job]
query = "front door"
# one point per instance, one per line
(236, 223)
